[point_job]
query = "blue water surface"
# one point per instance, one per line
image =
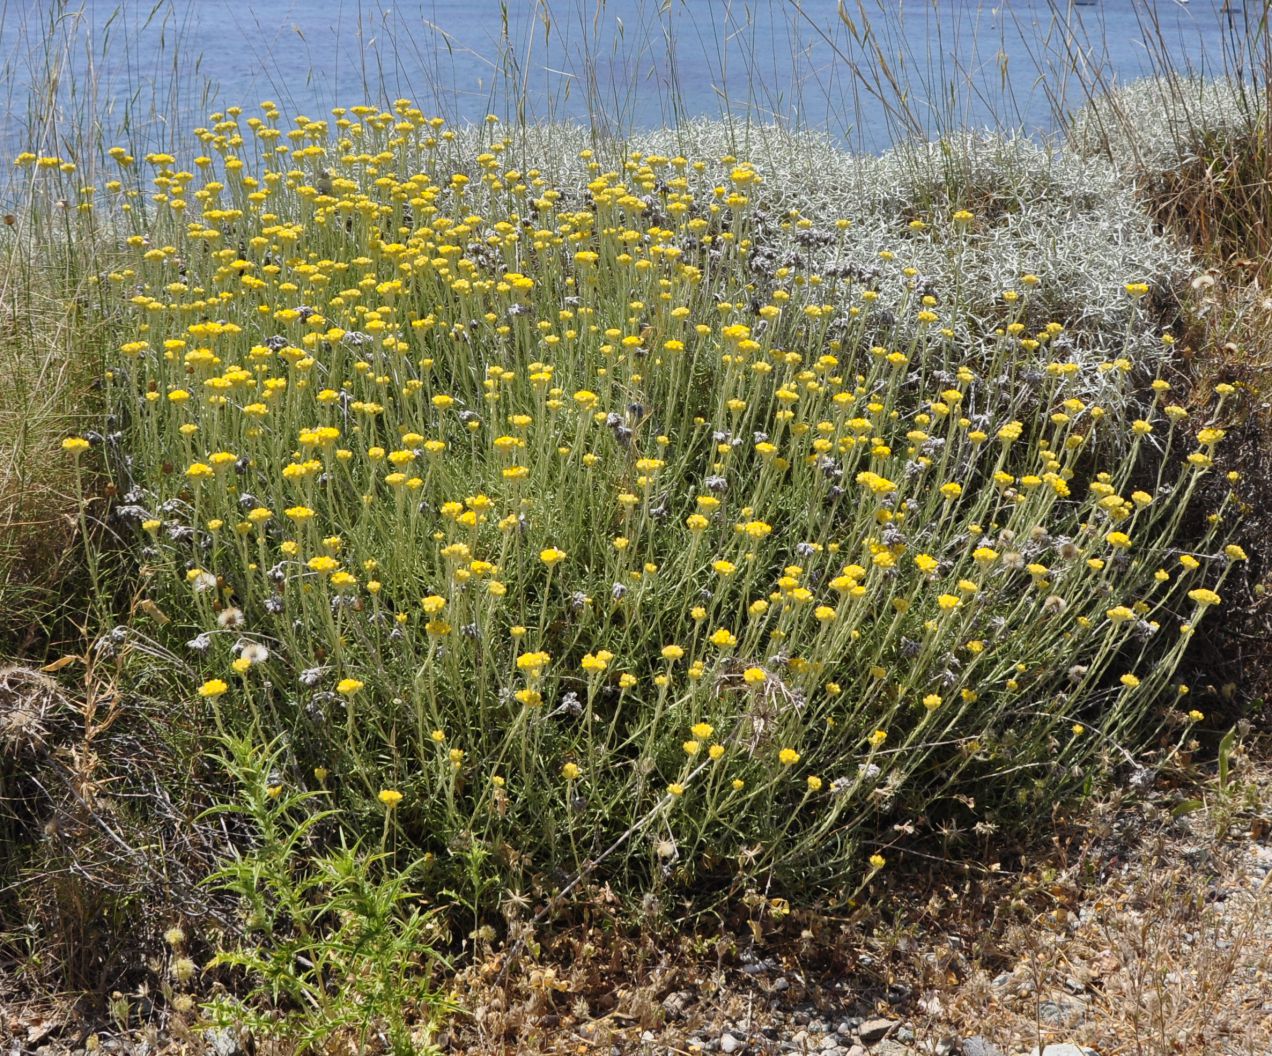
(152, 69)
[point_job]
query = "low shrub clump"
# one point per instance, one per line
(1197, 150)
(593, 527)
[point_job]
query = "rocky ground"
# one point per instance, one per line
(1145, 929)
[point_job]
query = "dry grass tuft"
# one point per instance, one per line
(97, 852)
(47, 361)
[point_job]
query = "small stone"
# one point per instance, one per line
(780, 983)
(675, 1004)
(979, 1046)
(728, 1043)
(873, 1030)
(1066, 1048)
(223, 1042)
(846, 1029)
(857, 1050)
(830, 1043)
(1061, 1012)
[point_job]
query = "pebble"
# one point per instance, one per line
(979, 1046)
(873, 1030)
(223, 1042)
(728, 1043)
(676, 1003)
(1066, 1048)
(1062, 1012)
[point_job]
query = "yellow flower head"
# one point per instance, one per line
(532, 663)
(1204, 597)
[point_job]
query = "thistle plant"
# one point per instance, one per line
(332, 951)
(600, 513)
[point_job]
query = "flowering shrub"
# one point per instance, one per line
(608, 529)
